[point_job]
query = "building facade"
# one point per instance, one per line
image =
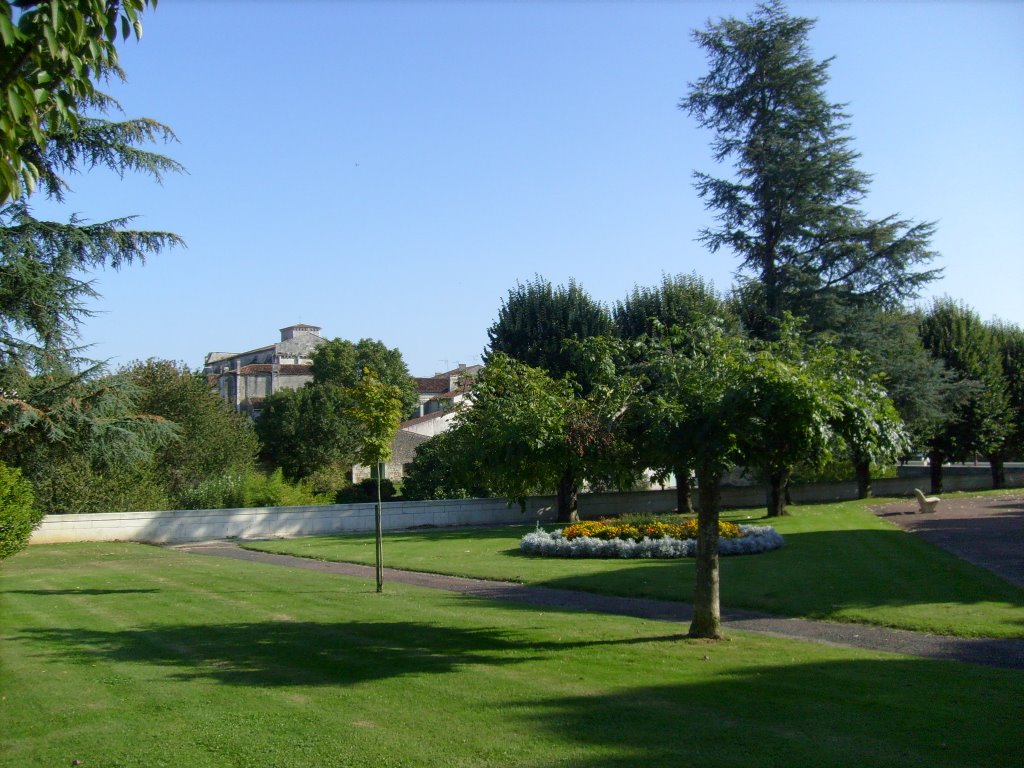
(246, 379)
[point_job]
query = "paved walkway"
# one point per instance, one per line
(990, 652)
(984, 530)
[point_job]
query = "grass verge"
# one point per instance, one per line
(840, 563)
(124, 655)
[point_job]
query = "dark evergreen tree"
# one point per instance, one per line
(790, 211)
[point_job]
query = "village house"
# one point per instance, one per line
(246, 379)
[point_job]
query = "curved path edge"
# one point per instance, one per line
(1005, 653)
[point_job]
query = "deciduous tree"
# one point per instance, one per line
(376, 407)
(679, 302)
(342, 362)
(210, 440)
(976, 414)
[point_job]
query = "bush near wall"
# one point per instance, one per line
(18, 514)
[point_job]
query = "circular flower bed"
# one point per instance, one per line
(611, 539)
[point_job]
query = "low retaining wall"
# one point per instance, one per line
(274, 522)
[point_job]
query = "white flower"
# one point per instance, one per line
(753, 539)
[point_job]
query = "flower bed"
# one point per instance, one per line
(637, 542)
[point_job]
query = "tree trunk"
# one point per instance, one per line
(935, 470)
(778, 483)
(707, 615)
(863, 468)
(684, 501)
(995, 460)
(568, 491)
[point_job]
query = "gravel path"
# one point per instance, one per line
(990, 652)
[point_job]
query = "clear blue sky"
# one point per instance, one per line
(391, 169)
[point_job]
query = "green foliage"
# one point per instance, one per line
(53, 55)
(211, 439)
(790, 209)
(679, 301)
(42, 285)
(917, 383)
(306, 430)
(250, 488)
(329, 424)
(81, 439)
(365, 492)
(977, 409)
(1009, 339)
(536, 319)
(66, 482)
(447, 466)
(528, 432)
(517, 426)
(342, 363)
(139, 439)
(19, 515)
(376, 409)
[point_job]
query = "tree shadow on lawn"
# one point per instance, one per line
(813, 575)
(286, 653)
(823, 713)
(75, 591)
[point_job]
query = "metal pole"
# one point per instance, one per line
(380, 535)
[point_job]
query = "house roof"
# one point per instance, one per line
(432, 385)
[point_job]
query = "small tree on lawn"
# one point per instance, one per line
(680, 301)
(689, 410)
(377, 409)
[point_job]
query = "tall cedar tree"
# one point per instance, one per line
(533, 326)
(790, 211)
(52, 124)
(53, 56)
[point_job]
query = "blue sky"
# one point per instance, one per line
(390, 170)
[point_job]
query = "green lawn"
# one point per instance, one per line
(128, 655)
(840, 562)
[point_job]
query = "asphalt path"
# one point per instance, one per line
(1006, 653)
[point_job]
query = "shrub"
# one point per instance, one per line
(250, 489)
(366, 491)
(18, 514)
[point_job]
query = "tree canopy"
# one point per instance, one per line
(54, 58)
(976, 413)
(54, 54)
(790, 211)
(536, 320)
(343, 363)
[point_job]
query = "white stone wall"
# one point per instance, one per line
(273, 522)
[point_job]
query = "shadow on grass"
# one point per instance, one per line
(815, 574)
(93, 592)
(304, 653)
(833, 713)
